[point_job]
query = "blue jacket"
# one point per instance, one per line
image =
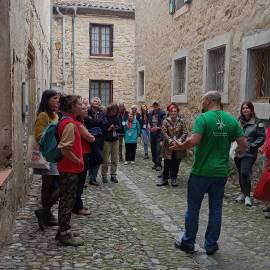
(132, 134)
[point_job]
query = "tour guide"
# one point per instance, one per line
(212, 134)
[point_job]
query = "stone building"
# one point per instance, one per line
(184, 48)
(24, 73)
(94, 49)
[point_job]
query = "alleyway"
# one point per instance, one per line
(133, 226)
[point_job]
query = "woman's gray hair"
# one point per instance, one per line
(95, 98)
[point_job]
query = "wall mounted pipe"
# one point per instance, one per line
(63, 39)
(74, 48)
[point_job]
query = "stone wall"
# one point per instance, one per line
(25, 30)
(160, 35)
(119, 68)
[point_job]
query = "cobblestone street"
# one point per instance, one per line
(133, 226)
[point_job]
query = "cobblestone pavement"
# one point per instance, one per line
(133, 226)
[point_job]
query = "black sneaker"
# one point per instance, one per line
(146, 156)
(114, 179)
(183, 247)
(163, 183)
(93, 183)
(212, 250)
(174, 183)
(158, 168)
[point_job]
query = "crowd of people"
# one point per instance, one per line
(91, 138)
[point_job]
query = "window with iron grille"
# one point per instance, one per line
(101, 40)
(216, 69)
(179, 76)
(262, 73)
(103, 90)
(141, 84)
(179, 4)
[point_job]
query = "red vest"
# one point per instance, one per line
(65, 165)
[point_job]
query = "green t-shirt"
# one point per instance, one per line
(218, 129)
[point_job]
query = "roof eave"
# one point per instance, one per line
(130, 14)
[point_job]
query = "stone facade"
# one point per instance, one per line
(193, 30)
(81, 68)
(25, 60)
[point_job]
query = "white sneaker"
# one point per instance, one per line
(132, 162)
(240, 198)
(125, 163)
(248, 201)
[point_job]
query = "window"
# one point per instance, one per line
(103, 90)
(216, 69)
(216, 65)
(255, 71)
(262, 73)
(101, 40)
(141, 84)
(179, 76)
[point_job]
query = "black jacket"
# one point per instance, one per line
(111, 136)
(255, 134)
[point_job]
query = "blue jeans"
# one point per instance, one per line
(145, 134)
(197, 187)
(93, 172)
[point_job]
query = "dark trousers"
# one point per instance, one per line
(50, 191)
(81, 182)
(155, 148)
(197, 187)
(68, 188)
(121, 140)
(171, 167)
(244, 167)
(130, 151)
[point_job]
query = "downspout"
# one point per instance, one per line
(51, 40)
(73, 49)
(63, 48)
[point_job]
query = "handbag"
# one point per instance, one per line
(232, 150)
(34, 157)
(262, 189)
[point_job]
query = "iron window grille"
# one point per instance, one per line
(103, 90)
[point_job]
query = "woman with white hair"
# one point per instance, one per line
(94, 123)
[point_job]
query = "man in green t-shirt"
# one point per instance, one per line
(212, 135)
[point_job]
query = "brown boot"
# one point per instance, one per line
(68, 239)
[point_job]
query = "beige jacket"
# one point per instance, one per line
(173, 131)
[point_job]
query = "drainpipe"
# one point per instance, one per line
(51, 40)
(73, 49)
(63, 48)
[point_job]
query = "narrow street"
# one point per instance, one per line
(133, 226)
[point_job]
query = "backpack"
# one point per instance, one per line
(49, 142)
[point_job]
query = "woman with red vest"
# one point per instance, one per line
(69, 167)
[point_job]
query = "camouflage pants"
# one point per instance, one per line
(68, 189)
